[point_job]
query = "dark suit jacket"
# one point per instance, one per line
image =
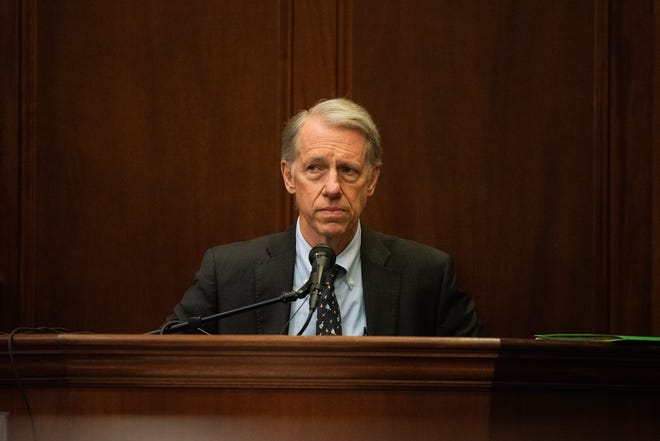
(409, 288)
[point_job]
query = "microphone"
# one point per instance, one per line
(322, 258)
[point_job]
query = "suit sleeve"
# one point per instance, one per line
(456, 314)
(201, 299)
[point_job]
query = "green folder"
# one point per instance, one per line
(599, 338)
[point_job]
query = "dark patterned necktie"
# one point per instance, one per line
(328, 317)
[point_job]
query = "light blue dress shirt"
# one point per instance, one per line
(348, 288)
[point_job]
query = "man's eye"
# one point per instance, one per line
(314, 170)
(348, 171)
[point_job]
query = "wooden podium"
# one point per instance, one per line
(166, 388)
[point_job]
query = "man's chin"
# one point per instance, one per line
(328, 231)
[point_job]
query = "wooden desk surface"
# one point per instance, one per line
(87, 386)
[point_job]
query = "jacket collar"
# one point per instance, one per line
(273, 276)
(382, 286)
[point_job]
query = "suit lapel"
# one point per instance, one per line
(273, 276)
(382, 286)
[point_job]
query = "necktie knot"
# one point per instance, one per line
(332, 274)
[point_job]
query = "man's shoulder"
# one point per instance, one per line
(400, 249)
(261, 247)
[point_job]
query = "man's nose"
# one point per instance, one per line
(332, 186)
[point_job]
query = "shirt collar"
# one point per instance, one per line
(348, 259)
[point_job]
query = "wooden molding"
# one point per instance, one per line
(249, 361)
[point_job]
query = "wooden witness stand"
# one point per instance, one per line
(139, 387)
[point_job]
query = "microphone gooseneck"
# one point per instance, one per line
(322, 259)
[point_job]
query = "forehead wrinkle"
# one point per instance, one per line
(317, 134)
(338, 154)
(334, 152)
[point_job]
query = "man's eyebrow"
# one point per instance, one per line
(313, 159)
(351, 162)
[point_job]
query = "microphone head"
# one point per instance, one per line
(322, 252)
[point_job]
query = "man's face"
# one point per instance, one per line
(331, 180)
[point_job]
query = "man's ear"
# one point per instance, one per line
(287, 175)
(374, 179)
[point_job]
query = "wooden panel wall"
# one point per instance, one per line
(631, 192)
(159, 127)
(495, 148)
(655, 142)
(519, 136)
(9, 161)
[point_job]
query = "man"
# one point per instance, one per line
(331, 162)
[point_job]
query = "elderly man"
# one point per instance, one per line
(383, 285)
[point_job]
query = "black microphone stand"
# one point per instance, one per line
(197, 322)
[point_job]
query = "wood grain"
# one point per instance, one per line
(520, 136)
